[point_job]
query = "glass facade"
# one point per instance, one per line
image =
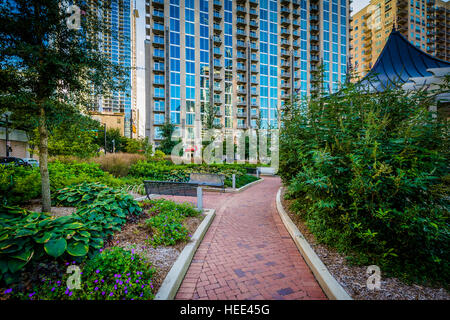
(117, 46)
(246, 58)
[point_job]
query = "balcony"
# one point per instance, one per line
(217, 39)
(217, 65)
(285, 53)
(158, 15)
(241, 114)
(240, 43)
(314, 58)
(241, 56)
(284, 42)
(254, 3)
(285, 64)
(217, 16)
(253, 12)
(313, 8)
(217, 100)
(241, 103)
(314, 48)
(241, 9)
(217, 28)
(314, 38)
(240, 21)
(253, 24)
(241, 33)
(241, 80)
(158, 2)
(241, 126)
(253, 35)
(218, 3)
(285, 21)
(314, 18)
(158, 41)
(296, 44)
(313, 28)
(217, 52)
(285, 10)
(158, 28)
(284, 31)
(240, 68)
(254, 114)
(296, 34)
(158, 55)
(254, 46)
(158, 68)
(217, 88)
(285, 74)
(254, 70)
(241, 91)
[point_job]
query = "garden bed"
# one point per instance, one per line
(353, 278)
(123, 248)
(134, 236)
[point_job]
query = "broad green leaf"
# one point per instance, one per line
(55, 248)
(77, 249)
(15, 265)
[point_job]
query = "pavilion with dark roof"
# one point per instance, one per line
(401, 64)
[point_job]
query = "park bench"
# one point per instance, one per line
(208, 179)
(253, 171)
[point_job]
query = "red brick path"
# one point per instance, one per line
(247, 252)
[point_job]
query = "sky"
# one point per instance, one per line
(358, 5)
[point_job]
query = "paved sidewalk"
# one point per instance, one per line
(247, 253)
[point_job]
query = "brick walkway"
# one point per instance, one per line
(247, 252)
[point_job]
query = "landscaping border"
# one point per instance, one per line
(327, 282)
(176, 274)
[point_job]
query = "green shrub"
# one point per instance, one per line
(166, 221)
(369, 175)
(114, 274)
(18, 184)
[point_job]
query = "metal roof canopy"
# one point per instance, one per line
(398, 63)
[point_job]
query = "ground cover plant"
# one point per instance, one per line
(166, 221)
(113, 274)
(369, 173)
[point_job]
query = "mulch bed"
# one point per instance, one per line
(353, 278)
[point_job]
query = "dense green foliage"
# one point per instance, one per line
(370, 175)
(114, 274)
(18, 185)
(27, 235)
(166, 221)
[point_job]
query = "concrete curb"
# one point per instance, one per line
(173, 279)
(329, 285)
(231, 190)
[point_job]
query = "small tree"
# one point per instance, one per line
(167, 143)
(48, 71)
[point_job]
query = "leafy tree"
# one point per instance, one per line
(167, 143)
(48, 71)
(77, 137)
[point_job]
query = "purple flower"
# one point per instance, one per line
(97, 271)
(53, 289)
(8, 290)
(115, 287)
(111, 294)
(95, 281)
(103, 293)
(96, 288)
(70, 293)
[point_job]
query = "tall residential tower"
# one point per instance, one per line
(244, 58)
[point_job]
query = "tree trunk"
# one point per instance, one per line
(43, 155)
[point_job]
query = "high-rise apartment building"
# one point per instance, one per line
(118, 46)
(244, 58)
(423, 22)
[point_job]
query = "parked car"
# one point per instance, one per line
(13, 161)
(31, 161)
